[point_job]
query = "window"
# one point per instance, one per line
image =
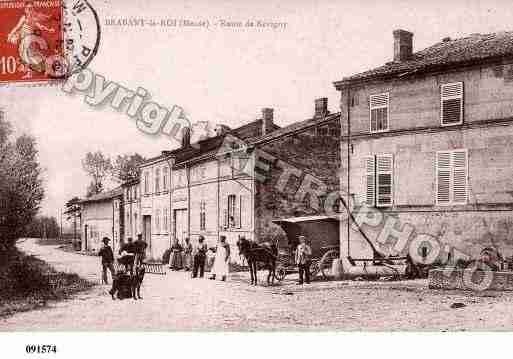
(164, 178)
(157, 180)
(232, 210)
(157, 221)
(166, 220)
(146, 182)
(451, 105)
(136, 227)
(379, 180)
(451, 177)
(135, 192)
(379, 112)
(203, 216)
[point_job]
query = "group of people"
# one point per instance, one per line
(131, 253)
(194, 257)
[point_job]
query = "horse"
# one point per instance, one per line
(255, 253)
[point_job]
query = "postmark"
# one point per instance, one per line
(46, 40)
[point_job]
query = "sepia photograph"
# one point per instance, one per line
(254, 168)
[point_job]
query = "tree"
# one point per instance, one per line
(21, 187)
(97, 166)
(73, 212)
(43, 227)
(93, 189)
(126, 167)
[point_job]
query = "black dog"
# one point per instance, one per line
(126, 285)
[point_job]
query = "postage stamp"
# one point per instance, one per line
(46, 40)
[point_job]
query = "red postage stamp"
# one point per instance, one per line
(31, 33)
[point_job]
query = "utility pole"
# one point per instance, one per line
(60, 212)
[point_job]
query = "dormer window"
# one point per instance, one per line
(379, 112)
(451, 104)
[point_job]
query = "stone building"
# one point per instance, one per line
(102, 216)
(236, 183)
(428, 139)
(131, 209)
(211, 194)
(153, 217)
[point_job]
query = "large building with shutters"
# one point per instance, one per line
(235, 183)
(427, 143)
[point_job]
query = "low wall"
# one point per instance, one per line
(470, 279)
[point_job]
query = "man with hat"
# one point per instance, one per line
(303, 257)
(140, 249)
(107, 259)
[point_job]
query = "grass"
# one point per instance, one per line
(27, 283)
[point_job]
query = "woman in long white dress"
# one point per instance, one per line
(222, 259)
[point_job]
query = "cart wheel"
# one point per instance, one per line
(326, 262)
(280, 273)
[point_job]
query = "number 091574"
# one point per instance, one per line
(41, 349)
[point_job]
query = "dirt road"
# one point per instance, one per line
(177, 302)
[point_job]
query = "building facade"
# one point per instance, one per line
(428, 139)
(102, 216)
(131, 209)
(236, 183)
(153, 219)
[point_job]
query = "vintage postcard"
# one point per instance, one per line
(196, 166)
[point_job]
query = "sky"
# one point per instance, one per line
(222, 74)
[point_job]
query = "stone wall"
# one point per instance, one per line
(313, 152)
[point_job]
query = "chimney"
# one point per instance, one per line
(267, 120)
(186, 137)
(403, 45)
(321, 107)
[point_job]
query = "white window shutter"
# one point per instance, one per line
(451, 103)
(370, 180)
(384, 180)
(379, 112)
(443, 177)
(459, 185)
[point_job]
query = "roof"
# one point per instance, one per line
(293, 128)
(104, 196)
(306, 219)
(210, 147)
(131, 182)
(475, 48)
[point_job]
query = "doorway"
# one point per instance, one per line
(180, 228)
(147, 233)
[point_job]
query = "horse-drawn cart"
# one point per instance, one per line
(322, 233)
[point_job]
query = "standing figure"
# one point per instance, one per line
(107, 260)
(30, 23)
(199, 255)
(175, 262)
(187, 254)
(303, 257)
(140, 250)
(127, 252)
(221, 261)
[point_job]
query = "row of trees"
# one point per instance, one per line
(100, 167)
(21, 186)
(43, 227)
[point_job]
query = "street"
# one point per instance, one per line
(177, 302)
